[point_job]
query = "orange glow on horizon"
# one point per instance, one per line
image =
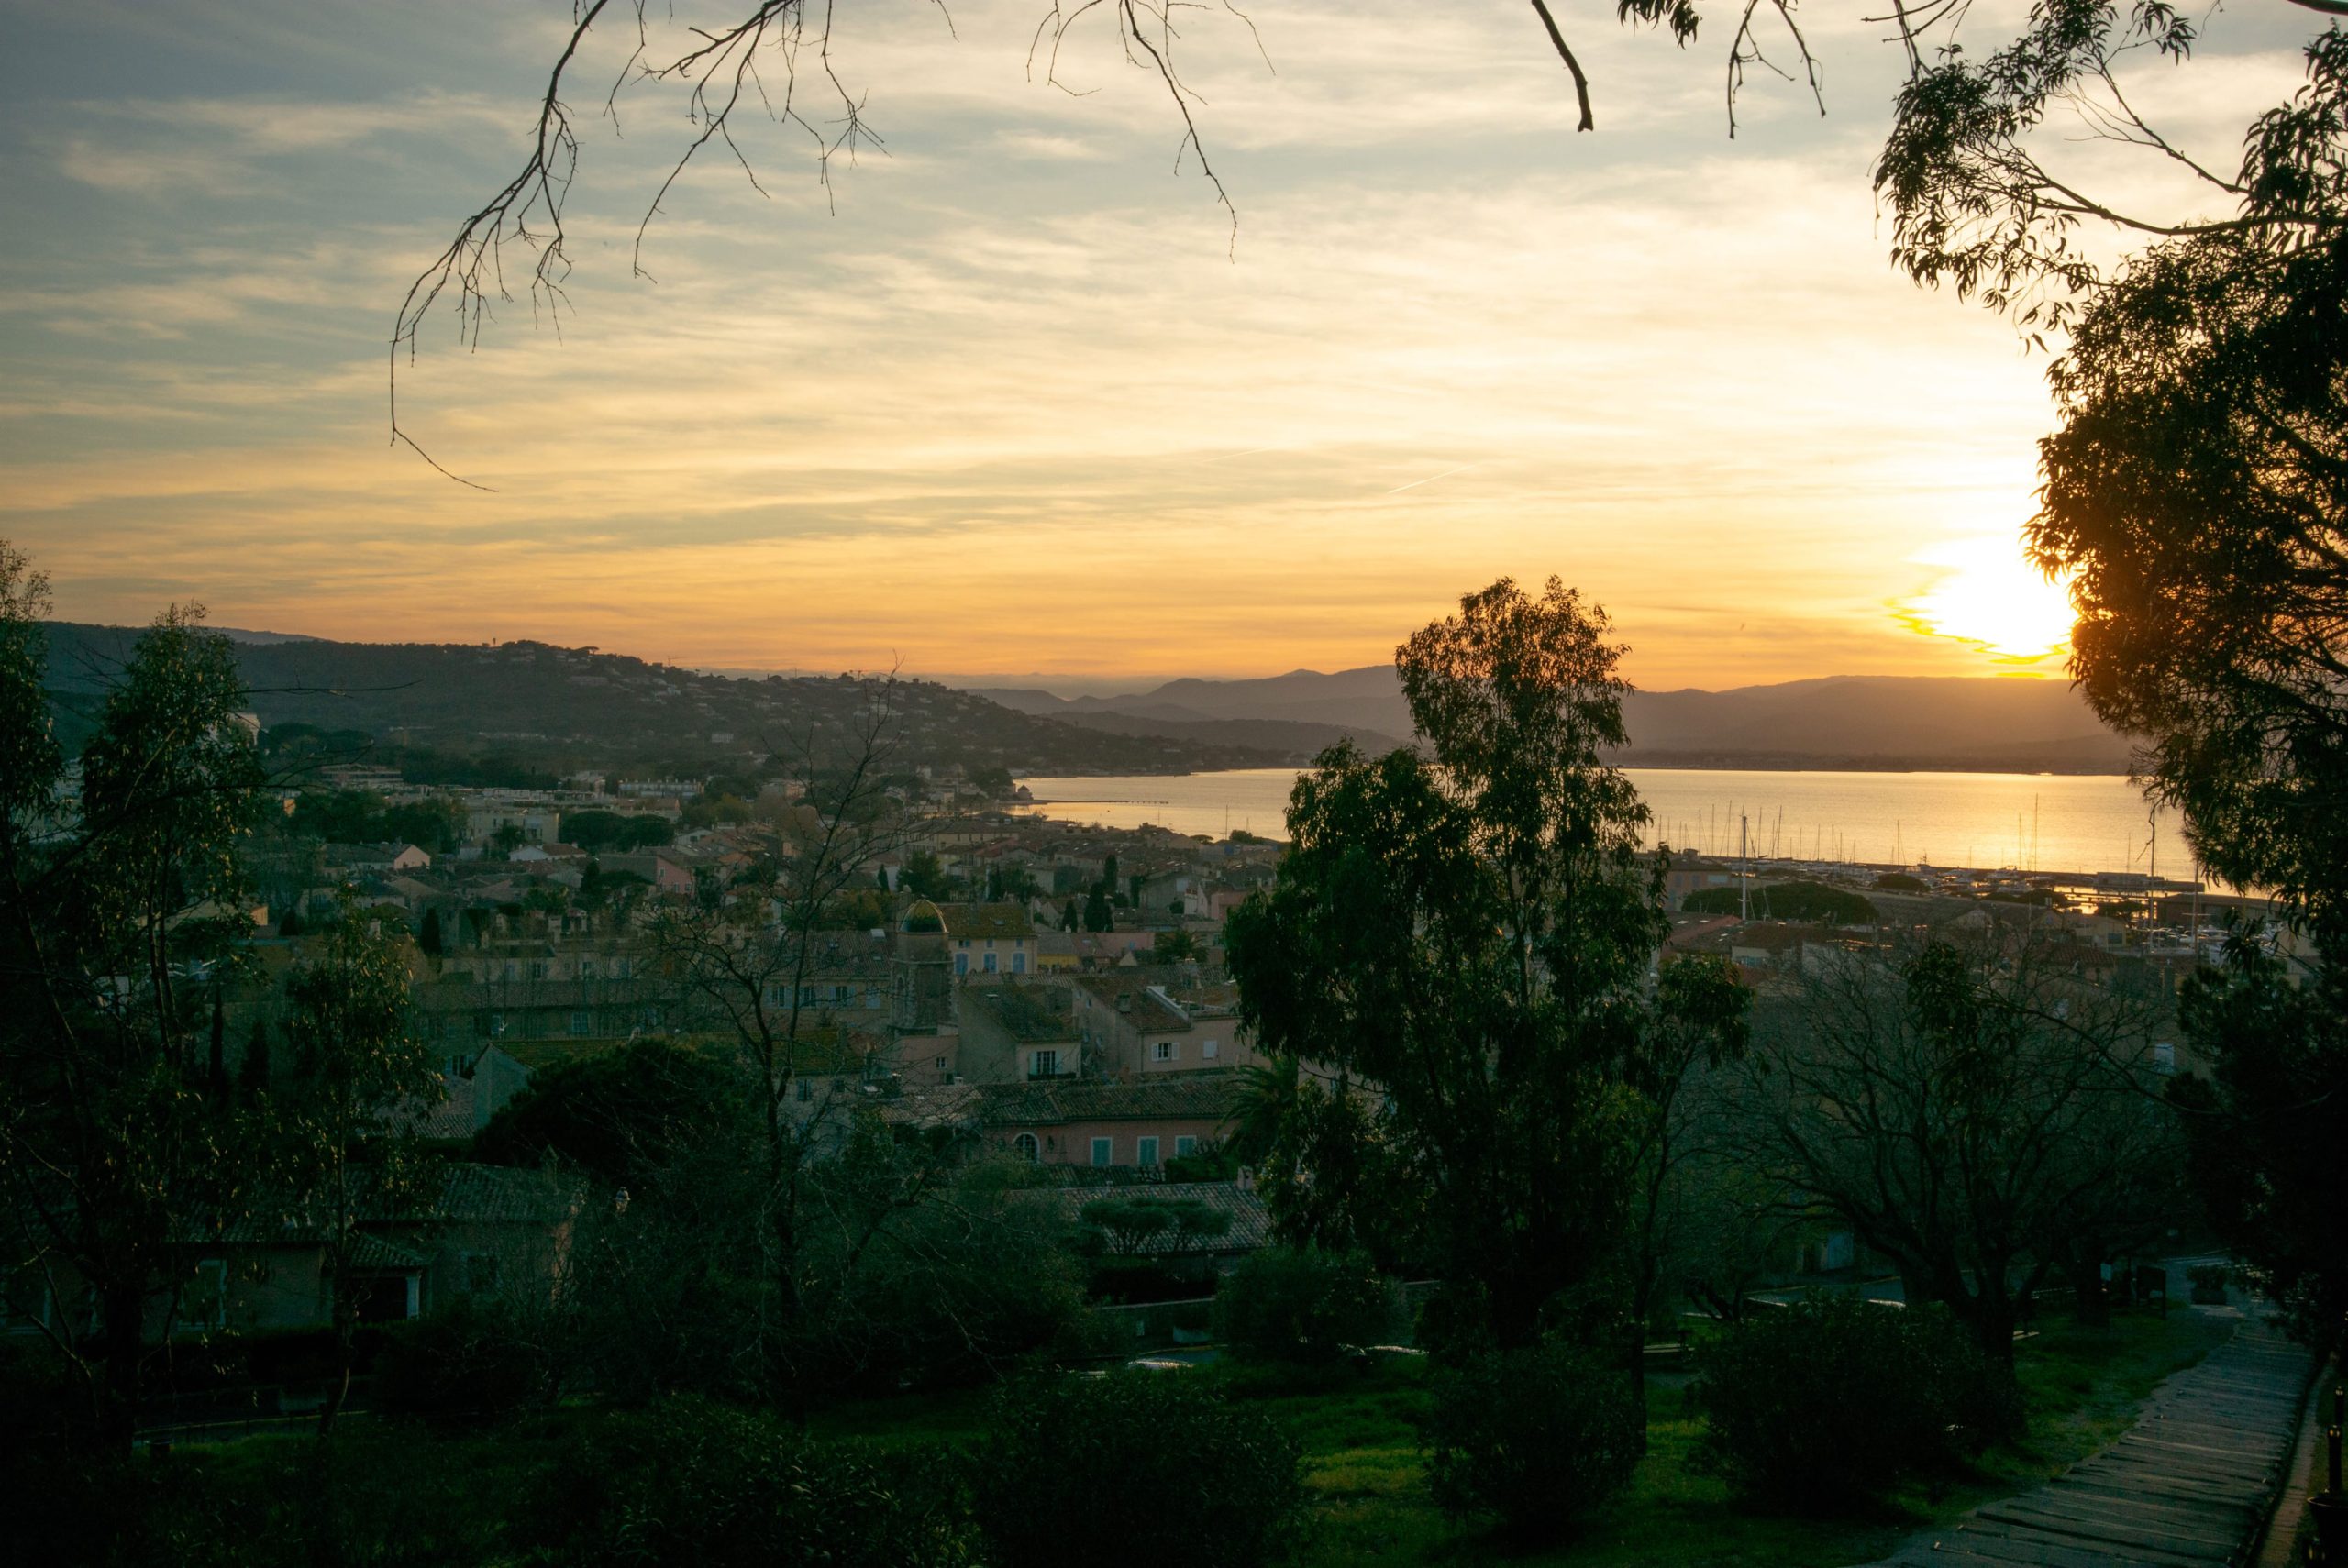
(1987, 595)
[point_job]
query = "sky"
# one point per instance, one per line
(1014, 395)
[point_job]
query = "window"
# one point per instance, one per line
(1019, 963)
(1100, 1150)
(586, 968)
(806, 1091)
(582, 1024)
(1026, 1146)
(1209, 1050)
(538, 968)
(623, 967)
(1161, 1050)
(1042, 1063)
(991, 963)
(1145, 1152)
(939, 1064)
(961, 963)
(1185, 1146)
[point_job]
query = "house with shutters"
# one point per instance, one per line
(981, 939)
(1108, 1126)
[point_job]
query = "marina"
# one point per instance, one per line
(2072, 826)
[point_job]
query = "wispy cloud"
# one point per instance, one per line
(1025, 388)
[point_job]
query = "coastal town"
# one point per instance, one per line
(1018, 984)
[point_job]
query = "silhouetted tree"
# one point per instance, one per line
(115, 1144)
(619, 1116)
(2268, 1127)
(1976, 1115)
(1463, 936)
(340, 1121)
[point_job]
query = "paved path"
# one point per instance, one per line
(2188, 1487)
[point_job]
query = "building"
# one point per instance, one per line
(1106, 1126)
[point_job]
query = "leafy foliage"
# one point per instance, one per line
(1535, 1437)
(1132, 1226)
(1144, 1469)
(2267, 1130)
(697, 1485)
(619, 1115)
(115, 1125)
(1469, 931)
(1834, 1400)
(1299, 1304)
(463, 1365)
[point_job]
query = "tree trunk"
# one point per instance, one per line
(122, 1313)
(346, 1333)
(1991, 1319)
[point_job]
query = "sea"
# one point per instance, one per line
(2076, 824)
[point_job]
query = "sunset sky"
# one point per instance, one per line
(1024, 404)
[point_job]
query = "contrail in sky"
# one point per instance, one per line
(1430, 478)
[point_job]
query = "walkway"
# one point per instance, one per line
(2188, 1487)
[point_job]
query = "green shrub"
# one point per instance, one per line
(1831, 1402)
(1141, 1469)
(1533, 1438)
(460, 1368)
(380, 1499)
(697, 1485)
(1304, 1305)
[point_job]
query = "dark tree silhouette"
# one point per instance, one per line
(1457, 945)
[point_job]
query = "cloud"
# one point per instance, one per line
(1027, 391)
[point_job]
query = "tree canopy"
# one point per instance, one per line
(1456, 945)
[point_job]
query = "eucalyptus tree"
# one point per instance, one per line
(120, 904)
(1459, 944)
(341, 1124)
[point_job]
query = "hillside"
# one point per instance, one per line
(555, 708)
(1841, 721)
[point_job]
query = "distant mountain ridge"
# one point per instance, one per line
(1954, 723)
(549, 710)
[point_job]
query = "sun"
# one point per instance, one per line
(1983, 592)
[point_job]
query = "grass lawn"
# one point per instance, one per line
(1364, 1469)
